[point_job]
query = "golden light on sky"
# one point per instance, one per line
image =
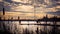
(31, 8)
(23, 8)
(0, 0)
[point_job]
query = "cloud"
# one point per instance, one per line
(7, 8)
(1, 6)
(10, 1)
(54, 13)
(53, 3)
(45, 3)
(56, 0)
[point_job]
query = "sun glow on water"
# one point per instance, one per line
(28, 22)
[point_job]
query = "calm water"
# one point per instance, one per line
(15, 27)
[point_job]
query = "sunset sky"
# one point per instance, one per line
(30, 8)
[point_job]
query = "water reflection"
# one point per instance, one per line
(15, 28)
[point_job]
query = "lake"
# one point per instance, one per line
(28, 27)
